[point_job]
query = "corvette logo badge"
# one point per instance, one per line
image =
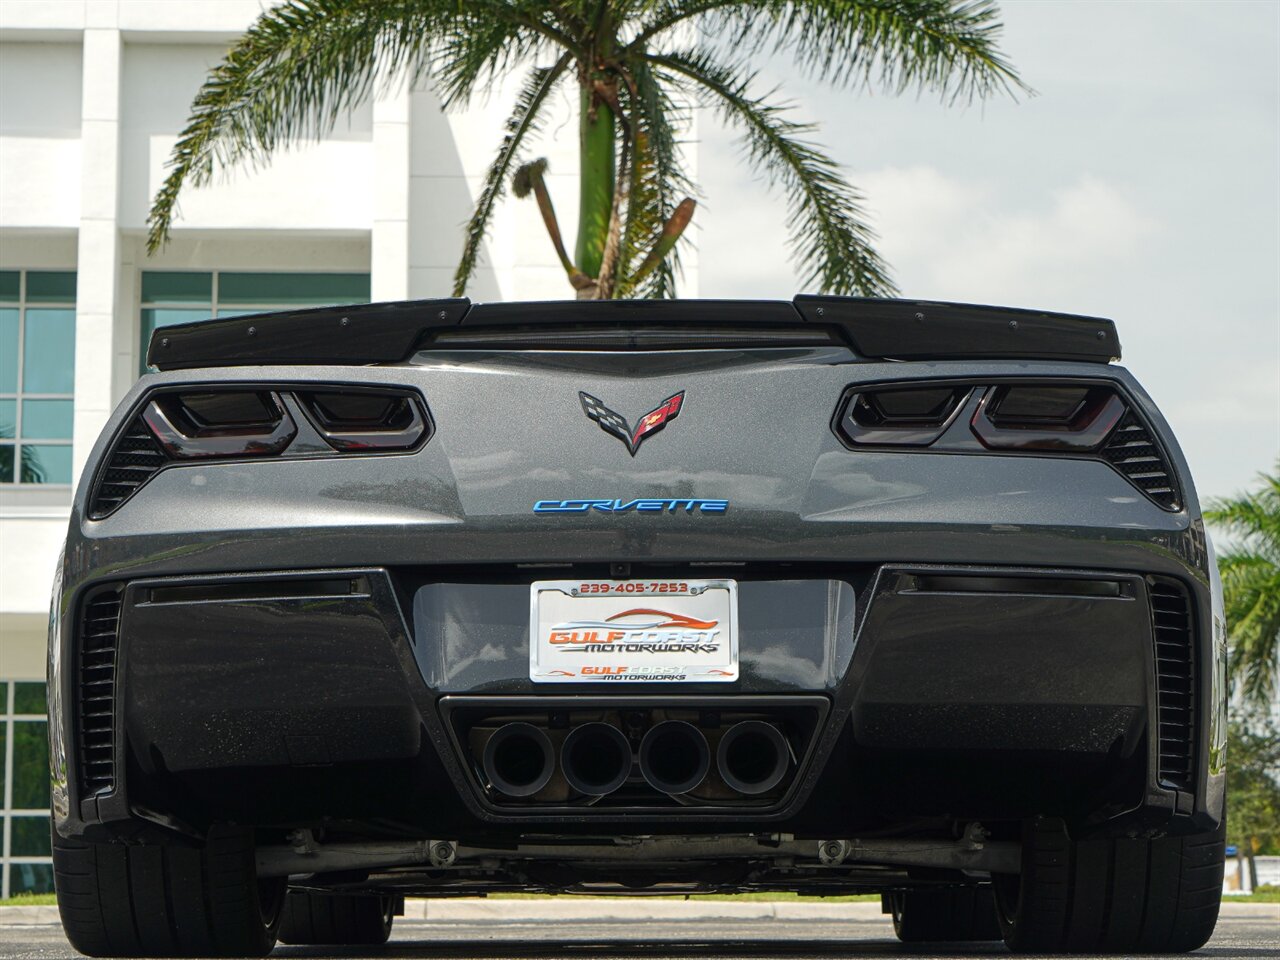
(616, 423)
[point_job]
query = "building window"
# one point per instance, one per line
(172, 296)
(37, 375)
(25, 864)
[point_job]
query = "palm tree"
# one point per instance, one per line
(1251, 583)
(306, 62)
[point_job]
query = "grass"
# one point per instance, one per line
(1267, 893)
(772, 897)
(30, 900)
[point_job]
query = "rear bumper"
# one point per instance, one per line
(290, 698)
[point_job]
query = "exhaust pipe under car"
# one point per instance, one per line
(674, 757)
(595, 759)
(753, 757)
(518, 759)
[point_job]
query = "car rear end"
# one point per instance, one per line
(829, 596)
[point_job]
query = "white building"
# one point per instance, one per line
(92, 95)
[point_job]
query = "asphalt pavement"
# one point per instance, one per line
(654, 930)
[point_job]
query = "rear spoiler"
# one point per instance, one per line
(875, 328)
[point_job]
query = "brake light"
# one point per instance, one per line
(901, 416)
(367, 421)
(222, 423)
(1073, 417)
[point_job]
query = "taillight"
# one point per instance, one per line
(901, 416)
(177, 426)
(1071, 417)
(222, 423)
(356, 421)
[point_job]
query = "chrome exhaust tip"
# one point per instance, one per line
(674, 757)
(518, 760)
(595, 759)
(753, 757)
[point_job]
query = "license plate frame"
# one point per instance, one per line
(681, 630)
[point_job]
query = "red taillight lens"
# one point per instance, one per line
(1047, 417)
(900, 416)
(221, 423)
(358, 421)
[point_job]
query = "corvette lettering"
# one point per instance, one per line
(628, 506)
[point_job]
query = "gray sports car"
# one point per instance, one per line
(827, 596)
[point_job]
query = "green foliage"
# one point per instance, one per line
(1253, 787)
(1250, 569)
(305, 62)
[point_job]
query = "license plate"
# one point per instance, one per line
(667, 631)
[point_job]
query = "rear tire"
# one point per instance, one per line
(944, 915)
(1111, 896)
(166, 901)
(314, 919)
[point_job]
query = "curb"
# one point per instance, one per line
(631, 910)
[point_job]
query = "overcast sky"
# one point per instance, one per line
(1141, 183)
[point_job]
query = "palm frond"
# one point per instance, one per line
(947, 46)
(522, 122)
(305, 63)
(1250, 569)
(1254, 514)
(830, 238)
(1251, 584)
(658, 184)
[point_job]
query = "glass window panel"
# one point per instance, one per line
(8, 350)
(292, 289)
(30, 764)
(46, 419)
(4, 736)
(8, 419)
(29, 837)
(51, 286)
(29, 698)
(30, 878)
(49, 351)
(10, 286)
(172, 286)
(6, 462)
(46, 463)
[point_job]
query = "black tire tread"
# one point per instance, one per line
(118, 900)
(311, 919)
(1120, 896)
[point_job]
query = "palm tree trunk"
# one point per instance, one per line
(597, 137)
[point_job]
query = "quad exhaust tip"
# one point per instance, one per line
(674, 757)
(753, 757)
(518, 759)
(596, 759)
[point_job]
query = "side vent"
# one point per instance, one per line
(1173, 633)
(96, 691)
(1133, 452)
(136, 458)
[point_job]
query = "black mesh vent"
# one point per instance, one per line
(136, 458)
(1133, 452)
(1175, 681)
(96, 691)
